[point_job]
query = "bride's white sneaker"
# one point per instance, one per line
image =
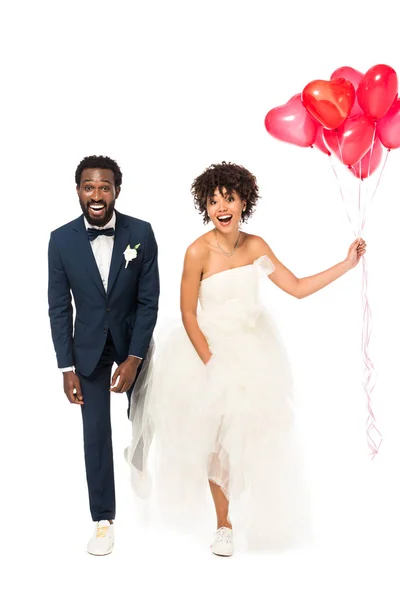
(223, 542)
(102, 541)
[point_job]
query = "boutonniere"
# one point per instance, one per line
(130, 254)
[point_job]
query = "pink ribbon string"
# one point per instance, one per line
(343, 198)
(364, 216)
(374, 437)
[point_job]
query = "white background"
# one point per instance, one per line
(167, 88)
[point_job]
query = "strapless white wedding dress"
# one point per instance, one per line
(230, 421)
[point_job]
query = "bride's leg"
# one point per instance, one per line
(221, 505)
(218, 471)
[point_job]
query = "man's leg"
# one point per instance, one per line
(97, 436)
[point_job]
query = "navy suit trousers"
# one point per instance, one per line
(97, 434)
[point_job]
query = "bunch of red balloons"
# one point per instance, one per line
(352, 115)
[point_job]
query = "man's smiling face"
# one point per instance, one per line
(97, 194)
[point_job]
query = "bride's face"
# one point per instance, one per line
(225, 210)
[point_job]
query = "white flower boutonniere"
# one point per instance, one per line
(130, 254)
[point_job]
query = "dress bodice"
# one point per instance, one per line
(231, 298)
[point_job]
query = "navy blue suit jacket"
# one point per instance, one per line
(128, 309)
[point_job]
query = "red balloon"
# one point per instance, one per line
(291, 123)
(352, 140)
(369, 162)
(320, 142)
(329, 102)
(388, 128)
(377, 91)
(354, 77)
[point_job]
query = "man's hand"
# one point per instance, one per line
(72, 387)
(126, 372)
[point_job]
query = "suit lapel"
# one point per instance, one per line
(121, 240)
(85, 253)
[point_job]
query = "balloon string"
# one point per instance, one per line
(342, 196)
(363, 214)
(339, 146)
(340, 188)
(374, 437)
(375, 190)
(372, 146)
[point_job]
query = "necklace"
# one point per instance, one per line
(224, 252)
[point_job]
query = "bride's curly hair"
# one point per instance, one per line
(233, 178)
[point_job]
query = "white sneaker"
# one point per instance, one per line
(102, 542)
(223, 542)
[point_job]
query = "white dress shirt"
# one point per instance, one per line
(102, 248)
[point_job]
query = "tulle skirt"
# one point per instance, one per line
(231, 422)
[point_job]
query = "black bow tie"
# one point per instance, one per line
(93, 233)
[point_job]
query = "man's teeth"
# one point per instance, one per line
(96, 207)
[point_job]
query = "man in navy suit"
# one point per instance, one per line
(108, 261)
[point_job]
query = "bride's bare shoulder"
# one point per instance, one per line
(256, 244)
(198, 250)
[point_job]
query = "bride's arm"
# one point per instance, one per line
(190, 284)
(305, 286)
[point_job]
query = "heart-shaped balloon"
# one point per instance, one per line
(369, 162)
(377, 91)
(352, 140)
(388, 128)
(354, 77)
(330, 102)
(291, 123)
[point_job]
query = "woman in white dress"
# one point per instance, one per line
(217, 395)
